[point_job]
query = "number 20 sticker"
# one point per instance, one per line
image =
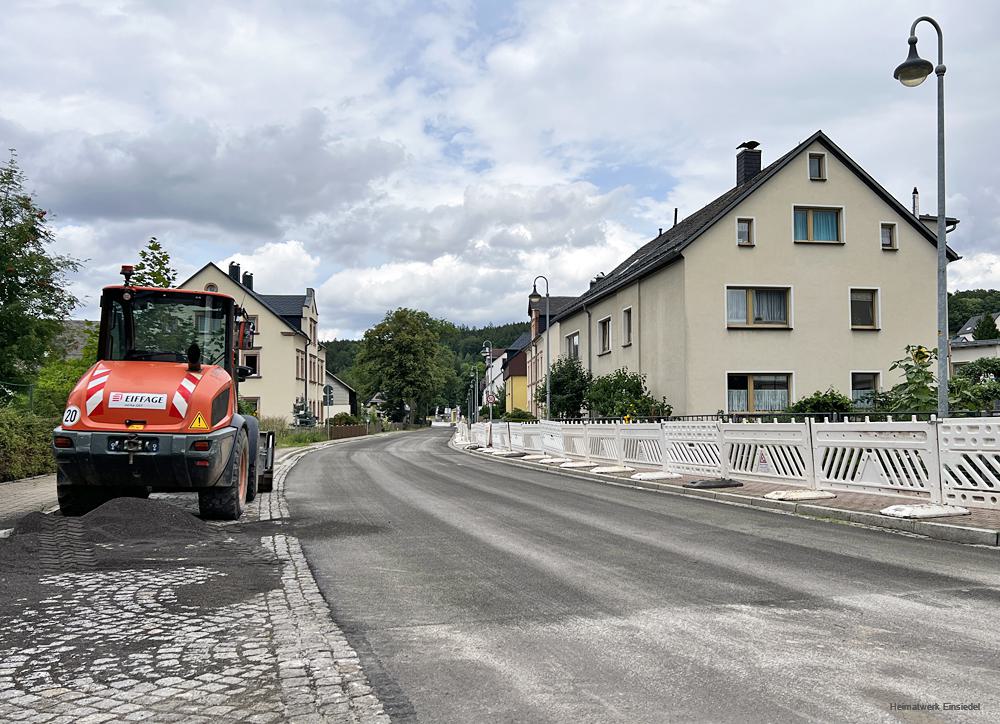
(72, 415)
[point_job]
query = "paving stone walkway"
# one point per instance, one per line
(91, 644)
(20, 497)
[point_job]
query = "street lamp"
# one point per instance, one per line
(535, 298)
(487, 352)
(912, 72)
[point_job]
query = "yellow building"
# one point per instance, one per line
(515, 374)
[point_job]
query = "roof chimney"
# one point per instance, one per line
(916, 202)
(675, 216)
(248, 280)
(234, 271)
(661, 232)
(747, 162)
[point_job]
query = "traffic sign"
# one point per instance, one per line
(491, 399)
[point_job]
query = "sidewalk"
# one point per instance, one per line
(981, 527)
(30, 495)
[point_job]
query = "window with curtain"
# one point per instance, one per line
(764, 307)
(863, 308)
(816, 224)
(817, 166)
(758, 393)
(744, 232)
(604, 334)
(888, 232)
(864, 385)
(626, 327)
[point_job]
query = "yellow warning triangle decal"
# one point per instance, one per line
(199, 422)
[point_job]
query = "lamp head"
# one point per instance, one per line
(914, 70)
(534, 297)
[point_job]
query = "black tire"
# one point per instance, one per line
(77, 500)
(253, 438)
(266, 483)
(225, 501)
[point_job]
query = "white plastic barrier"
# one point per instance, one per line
(898, 458)
(501, 436)
(970, 461)
(516, 431)
(603, 443)
(574, 436)
(477, 434)
(642, 443)
(769, 452)
(692, 448)
(552, 441)
(531, 435)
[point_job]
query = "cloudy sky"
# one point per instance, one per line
(441, 154)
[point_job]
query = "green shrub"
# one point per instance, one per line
(346, 418)
(296, 437)
(623, 393)
(25, 444)
(829, 401)
(519, 415)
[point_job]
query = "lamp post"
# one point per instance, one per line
(912, 72)
(535, 298)
(487, 352)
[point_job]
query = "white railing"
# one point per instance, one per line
(955, 462)
(878, 457)
(970, 461)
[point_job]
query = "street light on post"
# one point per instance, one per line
(535, 298)
(487, 352)
(912, 72)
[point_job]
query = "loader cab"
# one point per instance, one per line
(169, 325)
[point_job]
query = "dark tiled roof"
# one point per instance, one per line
(973, 321)
(520, 343)
(284, 305)
(667, 247)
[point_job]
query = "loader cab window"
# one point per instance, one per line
(161, 326)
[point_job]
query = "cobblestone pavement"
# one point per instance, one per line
(159, 639)
(26, 496)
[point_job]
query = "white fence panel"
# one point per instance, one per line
(531, 435)
(769, 452)
(642, 444)
(889, 458)
(602, 442)
(574, 438)
(478, 433)
(516, 436)
(551, 437)
(970, 461)
(693, 448)
(501, 437)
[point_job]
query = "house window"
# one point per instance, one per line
(744, 232)
(817, 224)
(626, 327)
(758, 392)
(864, 386)
(604, 335)
(864, 309)
(210, 287)
(254, 323)
(888, 234)
(757, 307)
(252, 360)
(300, 364)
(817, 166)
(573, 346)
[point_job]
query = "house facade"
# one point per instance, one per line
(538, 360)
(343, 398)
(515, 374)
(806, 275)
(288, 365)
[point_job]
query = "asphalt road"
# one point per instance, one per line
(475, 591)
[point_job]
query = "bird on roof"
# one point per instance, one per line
(749, 145)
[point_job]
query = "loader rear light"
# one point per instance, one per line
(201, 445)
(201, 463)
(62, 442)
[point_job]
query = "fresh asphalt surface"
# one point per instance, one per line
(476, 591)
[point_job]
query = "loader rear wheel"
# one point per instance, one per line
(77, 500)
(226, 501)
(253, 438)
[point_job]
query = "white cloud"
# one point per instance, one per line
(283, 267)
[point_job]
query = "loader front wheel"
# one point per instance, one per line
(77, 500)
(226, 501)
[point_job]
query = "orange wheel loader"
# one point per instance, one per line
(158, 411)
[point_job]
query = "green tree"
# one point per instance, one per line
(624, 393)
(400, 357)
(986, 328)
(34, 295)
(153, 269)
(59, 374)
(968, 303)
(570, 383)
(918, 390)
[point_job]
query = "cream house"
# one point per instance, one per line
(806, 274)
(288, 364)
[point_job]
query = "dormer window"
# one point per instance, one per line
(817, 166)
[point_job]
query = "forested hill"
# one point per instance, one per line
(970, 302)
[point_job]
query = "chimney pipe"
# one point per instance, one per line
(675, 216)
(747, 163)
(661, 232)
(234, 271)
(916, 202)
(248, 280)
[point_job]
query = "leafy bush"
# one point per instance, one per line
(623, 393)
(518, 415)
(245, 408)
(569, 388)
(829, 401)
(25, 444)
(346, 418)
(981, 371)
